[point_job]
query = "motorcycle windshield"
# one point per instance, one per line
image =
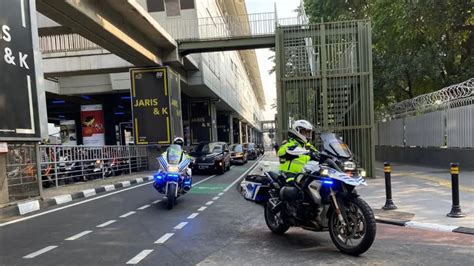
(174, 153)
(335, 146)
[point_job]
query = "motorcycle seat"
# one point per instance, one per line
(277, 177)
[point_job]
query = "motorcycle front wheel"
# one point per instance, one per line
(274, 222)
(171, 196)
(359, 233)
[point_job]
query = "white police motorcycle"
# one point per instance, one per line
(174, 177)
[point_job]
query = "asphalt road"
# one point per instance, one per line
(211, 225)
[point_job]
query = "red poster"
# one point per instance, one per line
(92, 123)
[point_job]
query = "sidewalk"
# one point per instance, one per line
(421, 194)
(80, 186)
(65, 194)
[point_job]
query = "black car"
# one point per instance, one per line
(252, 152)
(237, 154)
(211, 156)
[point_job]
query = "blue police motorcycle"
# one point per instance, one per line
(174, 177)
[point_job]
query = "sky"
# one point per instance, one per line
(285, 9)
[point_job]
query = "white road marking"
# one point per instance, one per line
(71, 205)
(140, 256)
(107, 223)
(62, 199)
(155, 202)
(220, 194)
(209, 202)
(81, 234)
(180, 225)
(144, 207)
(215, 198)
(39, 252)
(204, 180)
(436, 227)
(192, 216)
(126, 214)
(202, 209)
(240, 177)
(163, 239)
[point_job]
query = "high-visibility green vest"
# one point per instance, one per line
(289, 163)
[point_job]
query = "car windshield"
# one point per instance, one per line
(236, 148)
(209, 147)
(248, 146)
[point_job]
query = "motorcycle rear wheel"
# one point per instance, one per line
(171, 199)
(274, 223)
(357, 211)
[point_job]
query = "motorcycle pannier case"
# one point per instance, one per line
(255, 188)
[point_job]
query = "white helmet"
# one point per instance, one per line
(179, 141)
(302, 130)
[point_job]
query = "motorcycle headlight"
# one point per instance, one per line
(363, 173)
(324, 172)
(173, 168)
(348, 165)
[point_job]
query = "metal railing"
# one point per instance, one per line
(66, 43)
(455, 94)
(444, 118)
(207, 28)
(221, 27)
(22, 171)
(62, 165)
(228, 27)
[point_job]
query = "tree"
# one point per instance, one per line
(419, 46)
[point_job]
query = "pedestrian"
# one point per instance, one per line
(276, 147)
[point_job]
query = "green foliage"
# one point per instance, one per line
(419, 46)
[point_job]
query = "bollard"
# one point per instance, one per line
(456, 208)
(389, 205)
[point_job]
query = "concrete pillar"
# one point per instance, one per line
(214, 121)
(247, 139)
(236, 130)
(3, 179)
(241, 132)
(231, 129)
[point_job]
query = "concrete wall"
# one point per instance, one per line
(434, 157)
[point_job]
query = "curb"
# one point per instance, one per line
(35, 205)
(427, 226)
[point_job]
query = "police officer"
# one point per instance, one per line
(292, 160)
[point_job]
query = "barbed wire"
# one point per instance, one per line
(435, 99)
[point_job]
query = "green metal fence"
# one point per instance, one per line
(324, 75)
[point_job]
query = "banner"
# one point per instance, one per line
(151, 106)
(19, 118)
(68, 132)
(92, 123)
